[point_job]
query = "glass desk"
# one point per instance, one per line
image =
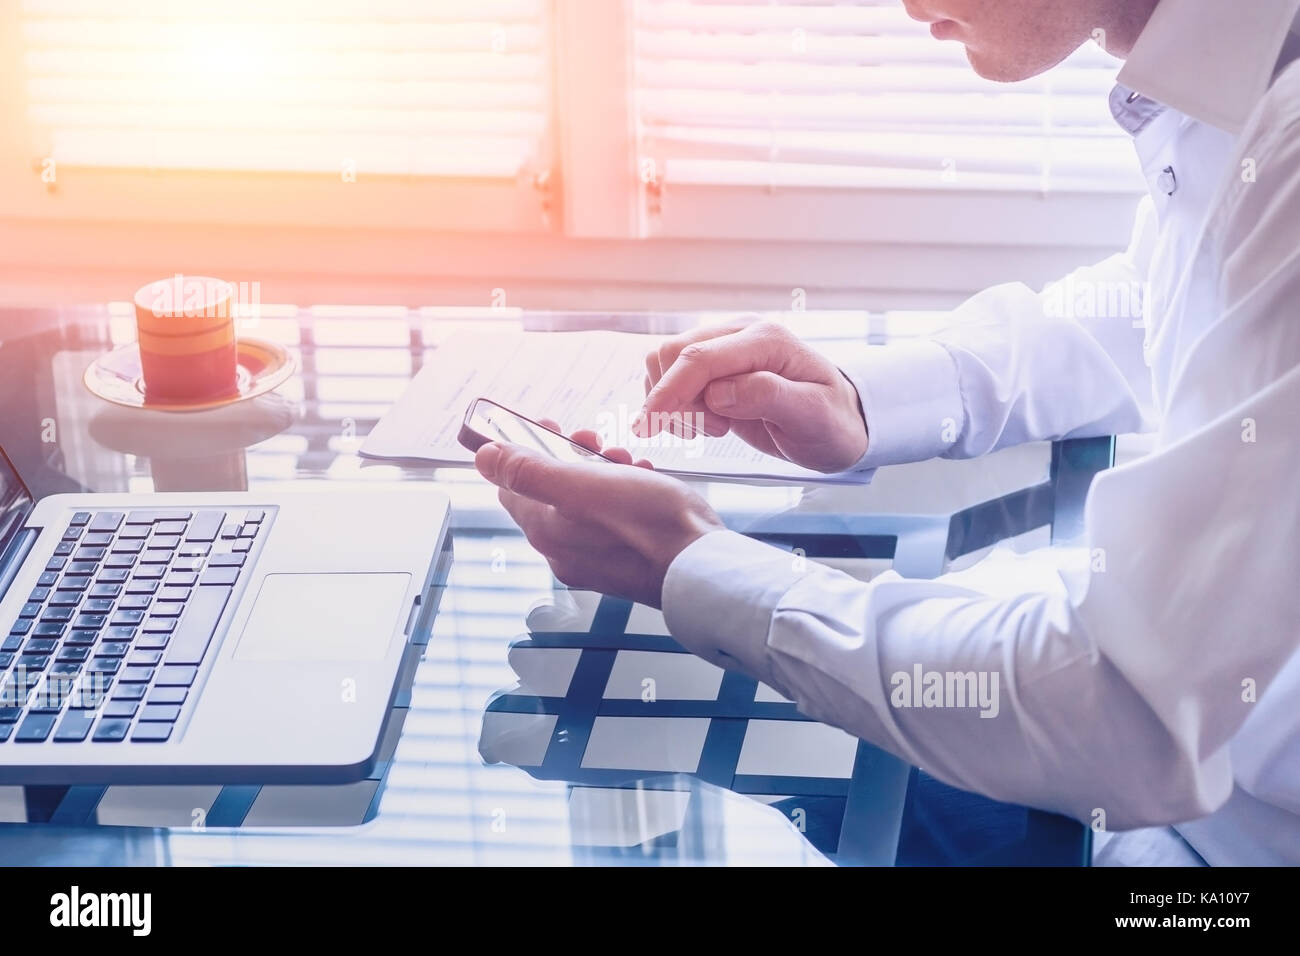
(524, 737)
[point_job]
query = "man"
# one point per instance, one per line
(1156, 687)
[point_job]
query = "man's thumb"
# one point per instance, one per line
(527, 473)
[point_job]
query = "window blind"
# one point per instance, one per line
(858, 94)
(405, 87)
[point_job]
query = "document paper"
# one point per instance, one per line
(579, 379)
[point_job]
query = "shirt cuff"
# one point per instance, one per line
(911, 401)
(719, 596)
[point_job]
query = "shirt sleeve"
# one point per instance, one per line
(1015, 366)
(1113, 682)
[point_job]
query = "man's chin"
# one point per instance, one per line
(1000, 71)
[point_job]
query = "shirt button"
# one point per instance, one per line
(1167, 181)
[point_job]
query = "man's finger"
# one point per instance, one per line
(757, 348)
(586, 438)
(764, 396)
(669, 349)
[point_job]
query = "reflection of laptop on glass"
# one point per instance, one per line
(206, 637)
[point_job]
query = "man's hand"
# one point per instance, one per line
(761, 382)
(613, 528)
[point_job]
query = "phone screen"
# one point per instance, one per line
(488, 421)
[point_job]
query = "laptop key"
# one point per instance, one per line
(155, 556)
(230, 532)
(218, 576)
(106, 590)
(128, 546)
(152, 733)
(157, 624)
(111, 730)
(91, 622)
(6, 658)
(12, 642)
(205, 526)
(254, 516)
(136, 675)
(104, 665)
(65, 597)
(47, 579)
(149, 571)
(90, 554)
(106, 521)
(152, 641)
(98, 539)
(10, 715)
(182, 579)
(63, 549)
(80, 568)
(243, 545)
(112, 649)
(157, 514)
(130, 692)
(112, 576)
(134, 532)
(138, 585)
(30, 609)
(32, 662)
(80, 518)
(134, 602)
(59, 615)
(49, 629)
(98, 606)
(226, 561)
(121, 708)
(55, 564)
(73, 533)
(165, 542)
(82, 636)
(167, 610)
(67, 666)
(74, 726)
(35, 728)
(74, 653)
(20, 627)
(171, 675)
(167, 695)
(171, 593)
(128, 617)
(160, 712)
(40, 645)
(145, 658)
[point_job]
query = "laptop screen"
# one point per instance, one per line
(15, 500)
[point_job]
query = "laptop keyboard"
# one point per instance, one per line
(111, 639)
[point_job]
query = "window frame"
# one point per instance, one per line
(587, 229)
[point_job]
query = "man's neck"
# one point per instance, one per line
(1123, 22)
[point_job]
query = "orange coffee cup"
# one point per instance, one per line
(186, 331)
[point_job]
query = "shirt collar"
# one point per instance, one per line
(1211, 60)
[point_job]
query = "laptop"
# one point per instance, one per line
(209, 637)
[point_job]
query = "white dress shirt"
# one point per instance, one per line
(1153, 677)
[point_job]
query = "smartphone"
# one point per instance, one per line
(487, 421)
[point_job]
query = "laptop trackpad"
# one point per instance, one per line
(323, 617)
